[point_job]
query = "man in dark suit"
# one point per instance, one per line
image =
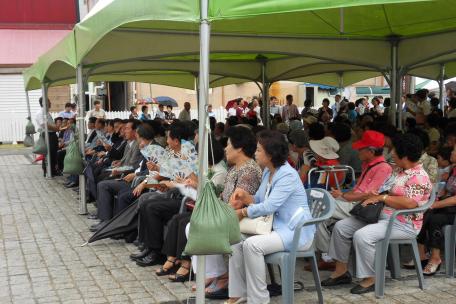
(92, 132)
(95, 170)
(108, 189)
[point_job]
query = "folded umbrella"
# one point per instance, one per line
(124, 222)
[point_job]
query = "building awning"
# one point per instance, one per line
(23, 47)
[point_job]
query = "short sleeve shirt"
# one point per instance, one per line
(373, 179)
(413, 183)
(97, 114)
(39, 119)
(246, 177)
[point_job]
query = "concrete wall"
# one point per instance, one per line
(59, 96)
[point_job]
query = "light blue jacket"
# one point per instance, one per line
(287, 194)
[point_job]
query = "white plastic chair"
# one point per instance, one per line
(331, 171)
(322, 206)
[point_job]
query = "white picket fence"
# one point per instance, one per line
(12, 125)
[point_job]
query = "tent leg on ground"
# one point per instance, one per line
(81, 126)
(44, 90)
(203, 83)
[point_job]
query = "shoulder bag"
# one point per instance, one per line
(370, 213)
(258, 225)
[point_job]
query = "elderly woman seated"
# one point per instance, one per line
(411, 188)
(281, 194)
(442, 213)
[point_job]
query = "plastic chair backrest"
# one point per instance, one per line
(422, 208)
(321, 205)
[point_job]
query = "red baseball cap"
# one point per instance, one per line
(370, 139)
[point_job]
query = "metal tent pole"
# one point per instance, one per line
(394, 82)
(265, 109)
(27, 98)
(441, 85)
(44, 92)
(341, 84)
(197, 89)
(203, 79)
(81, 127)
(398, 94)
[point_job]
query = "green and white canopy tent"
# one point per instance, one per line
(274, 40)
(294, 38)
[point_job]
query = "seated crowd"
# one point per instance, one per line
(153, 164)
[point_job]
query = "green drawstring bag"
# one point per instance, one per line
(214, 226)
(28, 140)
(40, 145)
(30, 128)
(73, 163)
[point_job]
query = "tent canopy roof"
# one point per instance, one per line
(298, 38)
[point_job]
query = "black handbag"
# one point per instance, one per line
(369, 213)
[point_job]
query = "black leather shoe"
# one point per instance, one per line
(71, 185)
(358, 289)
(140, 255)
(346, 278)
(96, 227)
(149, 260)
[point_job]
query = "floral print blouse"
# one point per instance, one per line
(413, 183)
(246, 177)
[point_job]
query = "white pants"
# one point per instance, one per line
(364, 237)
(215, 264)
(247, 276)
(323, 234)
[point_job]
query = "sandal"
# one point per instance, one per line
(181, 277)
(411, 264)
(165, 271)
(431, 269)
(209, 283)
(217, 292)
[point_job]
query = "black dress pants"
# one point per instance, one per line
(153, 216)
(431, 234)
(53, 147)
(176, 240)
(106, 191)
(124, 199)
(60, 158)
